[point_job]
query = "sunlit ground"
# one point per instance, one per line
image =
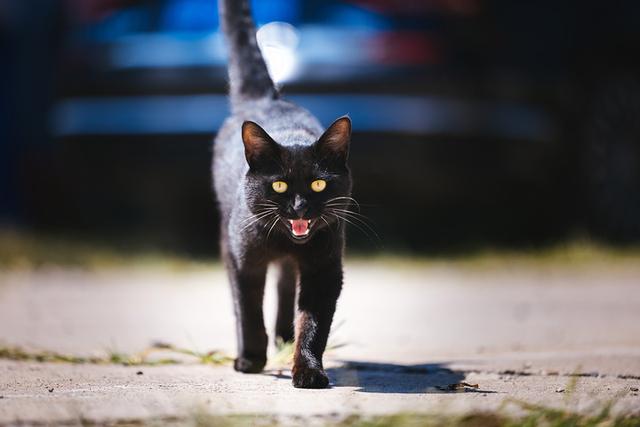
(545, 336)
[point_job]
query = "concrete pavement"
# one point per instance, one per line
(559, 335)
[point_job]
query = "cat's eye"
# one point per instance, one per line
(279, 186)
(318, 185)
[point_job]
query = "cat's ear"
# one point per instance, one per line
(334, 142)
(259, 148)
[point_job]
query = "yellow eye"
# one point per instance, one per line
(279, 186)
(318, 185)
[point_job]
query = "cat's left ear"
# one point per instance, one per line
(334, 142)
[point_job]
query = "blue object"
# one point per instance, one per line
(190, 15)
(276, 10)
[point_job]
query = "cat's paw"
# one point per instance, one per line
(249, 366)
(309, 378)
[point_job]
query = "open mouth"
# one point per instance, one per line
(300, 228)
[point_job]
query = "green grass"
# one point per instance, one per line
(26, 251)
(532, 416)
(23, 250)
(157, 354)
(579, 252)
(538, 416)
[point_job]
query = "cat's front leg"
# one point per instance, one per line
(248, 292)
(320, 285)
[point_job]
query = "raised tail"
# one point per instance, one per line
(248, 75)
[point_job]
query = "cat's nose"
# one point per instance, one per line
(300, 206)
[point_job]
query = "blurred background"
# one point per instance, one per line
(476, 122)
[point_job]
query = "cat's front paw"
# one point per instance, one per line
(309, 378)
(249, 366)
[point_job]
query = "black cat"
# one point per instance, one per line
(282, 186)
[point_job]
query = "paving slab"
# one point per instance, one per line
(559, 336)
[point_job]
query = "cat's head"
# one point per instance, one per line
(297, 189)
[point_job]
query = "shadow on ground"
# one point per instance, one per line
(371, 377)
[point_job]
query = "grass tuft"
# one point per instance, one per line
(535, 416)
(283, 358)
(20, 250)
(577, 253)
(27, 251)
(157, 354)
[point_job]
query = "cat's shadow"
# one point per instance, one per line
(372, 377)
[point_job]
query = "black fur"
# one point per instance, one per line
(248, 75)
(268, 139)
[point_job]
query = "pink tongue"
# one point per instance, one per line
(299, 226)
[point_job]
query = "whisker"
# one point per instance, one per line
(364, 223)
(350, 199)
(350, 219)
(343, 197)
(257, 218)
(273, 225)
(327, 222)
(261, 211)
(346, 210)
(347, 205)
(362, 230)
(355, 214)
(268, 221)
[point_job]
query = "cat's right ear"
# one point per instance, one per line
(259, 148)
